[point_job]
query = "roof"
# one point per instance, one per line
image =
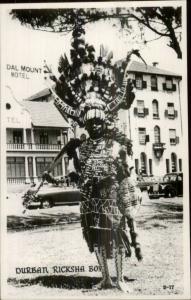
(45, 114)
(136, 66)
(42, 93)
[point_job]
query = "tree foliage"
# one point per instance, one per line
(163, 21)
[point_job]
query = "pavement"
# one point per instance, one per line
(46, 238)
(20, 219)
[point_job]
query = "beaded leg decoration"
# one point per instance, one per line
(134, 235)
(102, 260)
(119, 261)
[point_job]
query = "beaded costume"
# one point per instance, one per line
(100, 216)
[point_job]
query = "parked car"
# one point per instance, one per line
(50, 195)
(145, 182)
(170, 186)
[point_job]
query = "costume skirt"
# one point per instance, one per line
(101, 219)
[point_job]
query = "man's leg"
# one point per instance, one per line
(102, 260)
(134, 238)
(119, 261)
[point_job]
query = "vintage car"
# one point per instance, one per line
(170, 186)
(50, 195)
(145, 182)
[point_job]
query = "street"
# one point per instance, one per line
(52, 239)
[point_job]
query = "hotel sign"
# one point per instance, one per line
(13, 120)
(22, 71)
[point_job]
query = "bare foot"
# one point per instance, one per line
(122, 286)
(104, 284)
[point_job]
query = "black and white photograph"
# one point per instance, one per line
(94, 151)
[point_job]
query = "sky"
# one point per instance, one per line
(23, 46)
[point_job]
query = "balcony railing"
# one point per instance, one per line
(21, 180)
(15, 146)
(158, 146)
(158, 149)
(16, 180)
(37, 147)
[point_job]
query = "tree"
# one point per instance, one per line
(165, 22)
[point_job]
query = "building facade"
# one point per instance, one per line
(35, 133)
(154, 121)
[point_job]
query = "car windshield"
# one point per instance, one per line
(169, 178)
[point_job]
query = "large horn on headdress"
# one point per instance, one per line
(116, 103)
(64, 108)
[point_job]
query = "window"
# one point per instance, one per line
(65, 138)
(59, 140)
(140, 107)
(151, 166)
(170, 107)
(155, 109)
(180, 164)
(142, 136)
(43, 164)
(154, 85)
(43, 137)
(15, 167)
(172, 136)
(17, 137)
(58, 170)
(169, 83)
(167, 166)
(30, 166)
(66, 163)
(139, 81)
(136, 166)
(143, 163)
(157, 134)
(174, 162)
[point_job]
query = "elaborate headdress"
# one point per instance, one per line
(90, 87)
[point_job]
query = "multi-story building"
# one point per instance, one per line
(35, 133)
(154, 121)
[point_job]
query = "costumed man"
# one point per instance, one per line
(90, 91)
(109, 197)
(106, 196)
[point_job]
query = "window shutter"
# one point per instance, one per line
(164, 86)
(135, 110)
(177, 139)
(176, 113)
(146, 111)
(166, 113)
(144, 84)
(174, 87)
(147, 138)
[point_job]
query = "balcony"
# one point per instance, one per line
(33, 147)
(158, 149)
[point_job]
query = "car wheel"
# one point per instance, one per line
(46, 203)
(170, 193)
